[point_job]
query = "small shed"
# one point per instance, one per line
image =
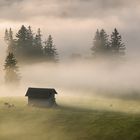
(41, 97)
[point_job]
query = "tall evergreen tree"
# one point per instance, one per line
(10, 41)
(10, 34)
(117, 47)
(30, 37)
(105, 48)
(100, 44)
(22, 42)
(50, 50)
(22, 36)
(25, 43)
(6, 37)
(38, 43)
(96, 42)
(39, 38)
(11, 70)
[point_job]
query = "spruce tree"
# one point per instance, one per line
(30, 37)
(100, 44)
(39, 38)
(10, 34)
(50, 50)
(10, 41)
(38, 44)
(105, 48)
(117, 47)
(27, 44)
(22, 42)
(11, 70)
(22, 36)
(96, 43)
(6, 37)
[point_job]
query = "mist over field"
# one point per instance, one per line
(87, 83)
(85, 75)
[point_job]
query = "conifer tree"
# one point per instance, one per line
(22, 36)
(117, 47)
(10, 41)
(105, 48)
(30, 37)
(24, 42)
(21, 48)
(10, 34)
(11, 70)
(100, 44)
(38, 43)
(96, 43)
(6, 37)
(39, 38)
(50, 50)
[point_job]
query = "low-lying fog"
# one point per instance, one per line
(99, 82)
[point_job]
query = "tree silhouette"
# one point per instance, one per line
(38, 48)
(11, 70)
(103, 47)
(10, 41)
(22, 42)
(96, 43)
(28, 46)
(50, 50)
(100, 44)
(38, 39)
(117, 47)
(6, 37)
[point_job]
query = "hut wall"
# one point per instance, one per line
(43, 102)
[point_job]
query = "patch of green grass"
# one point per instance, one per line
(65, 123)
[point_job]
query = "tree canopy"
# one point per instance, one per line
(11, 70)
(103, 46)
(28, 45)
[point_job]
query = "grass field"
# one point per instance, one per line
(65, 123)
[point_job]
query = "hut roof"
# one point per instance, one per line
(40, 92)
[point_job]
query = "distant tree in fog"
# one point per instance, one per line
(116, 44)
(38, 47)
(24, 42)
(6, 37)
(103, 47)
(50, 50)
(9, 41)
(11, 70)
(100, 44)
(28, 45)
(96, 43)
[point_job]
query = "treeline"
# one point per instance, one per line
(103, 46)
(27, 45)
(23, 47)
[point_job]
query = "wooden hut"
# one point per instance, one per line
(41, 97)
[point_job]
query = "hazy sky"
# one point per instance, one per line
(73, 22)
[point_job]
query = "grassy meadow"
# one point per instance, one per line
(66, 123)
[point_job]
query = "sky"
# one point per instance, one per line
(73, 23)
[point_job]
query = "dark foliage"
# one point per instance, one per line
(117, 47)
(28, 46)
(50, 50)
(103, 47)
(11, 70)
